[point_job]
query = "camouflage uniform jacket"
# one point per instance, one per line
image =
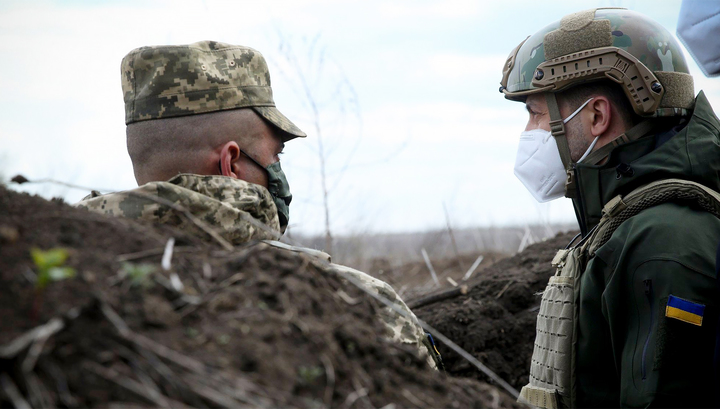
(240, 212)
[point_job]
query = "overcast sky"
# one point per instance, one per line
(408, 90)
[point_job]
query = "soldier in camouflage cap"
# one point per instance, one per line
(629, 318)
(204, 137)
(190, 107)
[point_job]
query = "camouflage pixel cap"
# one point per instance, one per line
(207, 76)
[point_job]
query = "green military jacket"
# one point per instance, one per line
(633, 347)
(240, 212)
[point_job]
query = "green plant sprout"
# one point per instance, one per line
(50, 266)
(139, 273)
(309, 374)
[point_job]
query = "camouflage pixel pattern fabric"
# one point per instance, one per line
(404, 330)
(226, 204)
(207, 76)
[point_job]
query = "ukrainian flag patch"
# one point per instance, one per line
(684, 310)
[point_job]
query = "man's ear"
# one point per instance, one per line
(601, 115)
(229, 154)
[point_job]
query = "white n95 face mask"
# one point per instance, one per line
(538, 164)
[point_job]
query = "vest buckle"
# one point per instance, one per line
(614, 207)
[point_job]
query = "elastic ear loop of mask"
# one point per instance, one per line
(566, 120)
(252, 159)
(557, 129)
(634, 133)
(587, 152)
(248, 156)
(592, 145)
(557, 126)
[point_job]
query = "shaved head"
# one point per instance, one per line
(162, 148)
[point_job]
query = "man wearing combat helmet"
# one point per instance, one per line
(204, 137)
(629, 318)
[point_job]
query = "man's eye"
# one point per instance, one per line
(281, 153)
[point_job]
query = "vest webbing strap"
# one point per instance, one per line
(619, 209)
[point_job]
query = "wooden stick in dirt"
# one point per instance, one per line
(12, 392)
(500, 294)
(435, 333)
(438, 296)
(473, 268)
(452, 239)
(430, 266)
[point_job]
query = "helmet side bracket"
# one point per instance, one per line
(639, 83)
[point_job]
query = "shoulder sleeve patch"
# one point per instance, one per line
(684, 310)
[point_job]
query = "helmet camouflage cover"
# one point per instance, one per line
(613, 44)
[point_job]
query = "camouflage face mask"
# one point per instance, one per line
(279, 190)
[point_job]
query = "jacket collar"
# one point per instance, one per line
(690, 150)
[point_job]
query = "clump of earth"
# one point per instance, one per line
(253, 326)
(494, 319)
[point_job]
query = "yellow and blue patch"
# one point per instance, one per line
(684, 310)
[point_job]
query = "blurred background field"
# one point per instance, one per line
(397, 258)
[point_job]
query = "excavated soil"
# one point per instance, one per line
(495, 319)
(255, 326)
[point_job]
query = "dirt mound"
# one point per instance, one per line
(255, 326)
(495, 319)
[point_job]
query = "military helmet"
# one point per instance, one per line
(612, 44)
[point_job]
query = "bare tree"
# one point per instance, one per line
(452, 238)
(321, 92)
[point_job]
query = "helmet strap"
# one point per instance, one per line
(557, 128)
(632, 134)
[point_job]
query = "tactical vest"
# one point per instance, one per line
(552, 370)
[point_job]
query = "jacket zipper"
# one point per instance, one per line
(649, 296)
